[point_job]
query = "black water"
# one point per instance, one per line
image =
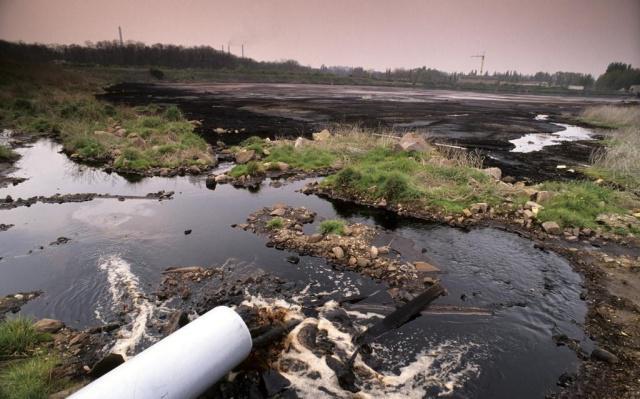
(533, 294)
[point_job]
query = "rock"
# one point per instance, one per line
(383, 250)
(604, 355)
(222, 179)
(315, 238)
(211, 182)
(552, 228)
(282, 166)
(139, 142)
(533, 206)
(373, 252)
(496, 173)
(467, 212)
(528, 214)
(300, 141)
(194, 170)
(542, 196)
(178, 319)
(48, 326)
(413, 142)
(293, 259)
(120, 132)
(338, 252)
(187, 232)
(245, 156)
(425, 267)
(274, 382)
(278, 212)
(480, 207)
(219, 130)
(60, 241)
(321, 136)
(353, 261)
(106, 364)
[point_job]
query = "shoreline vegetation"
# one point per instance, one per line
(51, 100)
(410, 176)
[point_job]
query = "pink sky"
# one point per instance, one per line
(528, 36)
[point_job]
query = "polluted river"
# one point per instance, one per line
(496, 333)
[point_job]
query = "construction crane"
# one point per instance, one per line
(481, 56)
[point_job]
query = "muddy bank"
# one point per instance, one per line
(9, 203)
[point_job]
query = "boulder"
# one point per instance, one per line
(338, 252)
(425, 267)
(194, 170)
(48, 326)
(278, 212)
(321, 136)
(282, 166)
(245, 156)
(413, 142)
(552, 228)
(222, 179)
(542, 196)
(211, 182)
(300, 141)
(496, 173)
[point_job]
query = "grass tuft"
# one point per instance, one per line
(17, 337)
(29, 379)
(332, 226)
(275, 223)
(7, 154)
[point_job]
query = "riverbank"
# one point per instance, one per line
(57, 102)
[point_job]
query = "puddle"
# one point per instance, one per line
(118, 250)
(537, 141)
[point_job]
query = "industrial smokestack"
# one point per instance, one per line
(120, 33)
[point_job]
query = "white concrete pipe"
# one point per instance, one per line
(182, 365)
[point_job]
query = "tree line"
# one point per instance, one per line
(617, 76)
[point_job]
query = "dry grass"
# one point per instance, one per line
(619, 161)
(612, 116)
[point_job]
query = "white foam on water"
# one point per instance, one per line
(537, 141)
(125, 286)
(445, 367)
(541, 117)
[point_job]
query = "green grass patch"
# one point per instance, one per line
(332, 226)
(18, 337)
(305, 158)
(29, 379)
(275, 223)
(401, 177)
(577, 204)
(7, 154)
(252, 168)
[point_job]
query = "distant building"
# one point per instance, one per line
(635, 89)
(575, 87)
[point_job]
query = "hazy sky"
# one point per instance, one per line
(550, 35)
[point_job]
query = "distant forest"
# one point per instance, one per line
(617, 76)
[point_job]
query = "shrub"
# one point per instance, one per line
(275, 223)
(332, 226)
(396, 187)
(156, 73)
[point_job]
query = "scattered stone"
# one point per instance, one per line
(293, 259)
(604, 355)
(480, 207)
(194, 170)
(48, 326)
(244, 156)
(210, 182)
(278, 212)
(413, 142)
(373, 252)
(187, 232)
(496, 173)
(552, 228)
(321, 136)
(315, 238)
(222, 179)
(338, 252)
(60, 241)
(300, 141)
(425, 267)
(542, 196)
(106, 364)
